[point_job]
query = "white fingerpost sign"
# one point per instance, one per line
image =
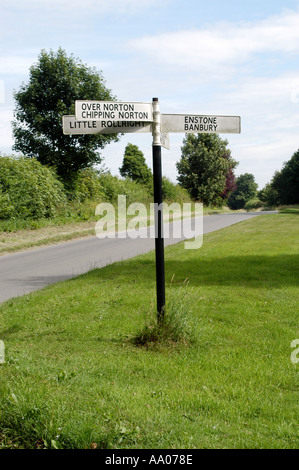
(164, 137)
(72, 126)
(109, 117)
(113, 111)
(190, 123)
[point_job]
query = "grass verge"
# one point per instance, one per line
(72, 377)
(294, 209)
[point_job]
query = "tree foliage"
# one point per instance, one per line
(86, 186)
(286, 182)
(284, 186)
(246, 190)
(55, 82)
(134, 165)
(230, 179)
(173, 192)
(28, 189)
(204, 168)
(268, 195)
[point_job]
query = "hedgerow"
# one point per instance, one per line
(28, 189)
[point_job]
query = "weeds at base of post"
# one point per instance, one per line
(172, 327)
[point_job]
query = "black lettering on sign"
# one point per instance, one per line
(133, 115)
(91, 106)
(122, 124)
(96, 114)
(200, 124)
(83, 124)
(118, 107)
(201, 120)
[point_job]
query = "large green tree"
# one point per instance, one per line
(286, 181)
(268, 195)
(245, 191)
(134, 165)
(55, 82)
(204, 166)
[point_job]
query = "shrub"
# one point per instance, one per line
(5, 205)
(253, 204)
(87, 186)
(28, 189)
(113, 187)
(269, 195)
(246, 191)
(134, 165)
(174, 192)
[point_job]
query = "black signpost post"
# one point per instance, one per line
(158, 199)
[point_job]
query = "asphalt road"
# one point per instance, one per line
(27, 271)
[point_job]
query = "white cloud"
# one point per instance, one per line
(16, 64)
(270, 120)
(278, 150)
(264, 158)
(223, 43)
(270, 96)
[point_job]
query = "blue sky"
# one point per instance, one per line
(200, 57)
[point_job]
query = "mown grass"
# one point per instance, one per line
(294, 209)
(73, 377)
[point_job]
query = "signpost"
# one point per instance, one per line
(159, 240)
(165, 140)
(109, 117)
(113, 111)
(190, 123)
(71, 126)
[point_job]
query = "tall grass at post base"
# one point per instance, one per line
(174, 327)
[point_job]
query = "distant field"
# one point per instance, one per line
(72, 377)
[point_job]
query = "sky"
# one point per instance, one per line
(216, 57)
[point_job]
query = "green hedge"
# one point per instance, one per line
(114, 186)
(28, 189)
(86, 186)
(174, 192)
(253, 204)
(31, 191)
